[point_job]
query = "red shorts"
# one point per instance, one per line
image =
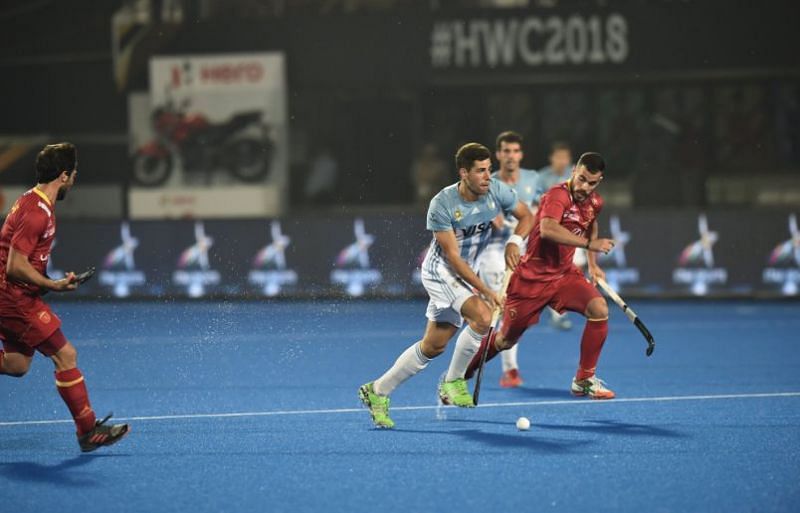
(526, 299)
(33, 327)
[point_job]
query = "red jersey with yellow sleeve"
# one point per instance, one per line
(545, 260)
(29, 228)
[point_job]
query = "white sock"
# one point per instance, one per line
(467, 345)
(409, 363)
(510, 358)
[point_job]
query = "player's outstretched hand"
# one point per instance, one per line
(67, 283)
(601, 245)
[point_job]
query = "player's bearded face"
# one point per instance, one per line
(583, 182)
(477, 179)
(66, 186)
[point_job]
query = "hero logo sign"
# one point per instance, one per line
(243, 72)
(530, 41)
(224, 73)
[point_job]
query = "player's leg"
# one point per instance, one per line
(15, 358)
(72, 389)
(559, 320)
(492, 271)
(443, 322)
(578, 295)
(511, 377)
(375, 395)
(524, 302)
(453, 390)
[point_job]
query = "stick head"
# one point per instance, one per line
(651, 343)
(84, 276)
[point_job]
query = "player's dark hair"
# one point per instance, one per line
(470, 153)
(559, 146)
(593, 162)
(508, 137)
(55, 159)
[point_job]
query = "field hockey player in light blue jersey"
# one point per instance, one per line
(460, 217)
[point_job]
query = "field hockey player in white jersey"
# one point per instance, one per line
(460, 217)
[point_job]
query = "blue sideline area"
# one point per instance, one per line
(700, 426)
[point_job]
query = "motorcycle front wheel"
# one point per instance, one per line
(249, 159)
(151, 170)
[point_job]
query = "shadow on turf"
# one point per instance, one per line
(604, 427)
(61, 474)
(509, 440)
(538, 393)
(611, 427)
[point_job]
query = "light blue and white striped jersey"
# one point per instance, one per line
(548, 178)
(471, 221)
(528, 189)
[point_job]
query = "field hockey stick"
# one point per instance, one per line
(651, 343)
(485, 350)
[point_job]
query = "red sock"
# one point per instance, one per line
(594, 335)
(72, 389)
(476, 360)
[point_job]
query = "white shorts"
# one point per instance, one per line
(448, 294)
(492, 266)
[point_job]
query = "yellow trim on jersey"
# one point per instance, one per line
(67, 384)
(42, 195)
(597, 320)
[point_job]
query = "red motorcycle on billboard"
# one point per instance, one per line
(240, 145)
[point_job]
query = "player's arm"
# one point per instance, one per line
(552, 230)
(525, 222)
(20, 269)
(447, 241)
(591, 257)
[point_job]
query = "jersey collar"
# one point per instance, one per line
(43, 196)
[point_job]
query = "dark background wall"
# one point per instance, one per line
(364, 84)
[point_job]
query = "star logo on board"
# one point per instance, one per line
(788, 251)
(269, 270)
(784, 262)
(194, 270)
(696, 262)
(353, 270)
(701, 250)
(119, 269)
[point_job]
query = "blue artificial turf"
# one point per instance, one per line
(278, 362)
